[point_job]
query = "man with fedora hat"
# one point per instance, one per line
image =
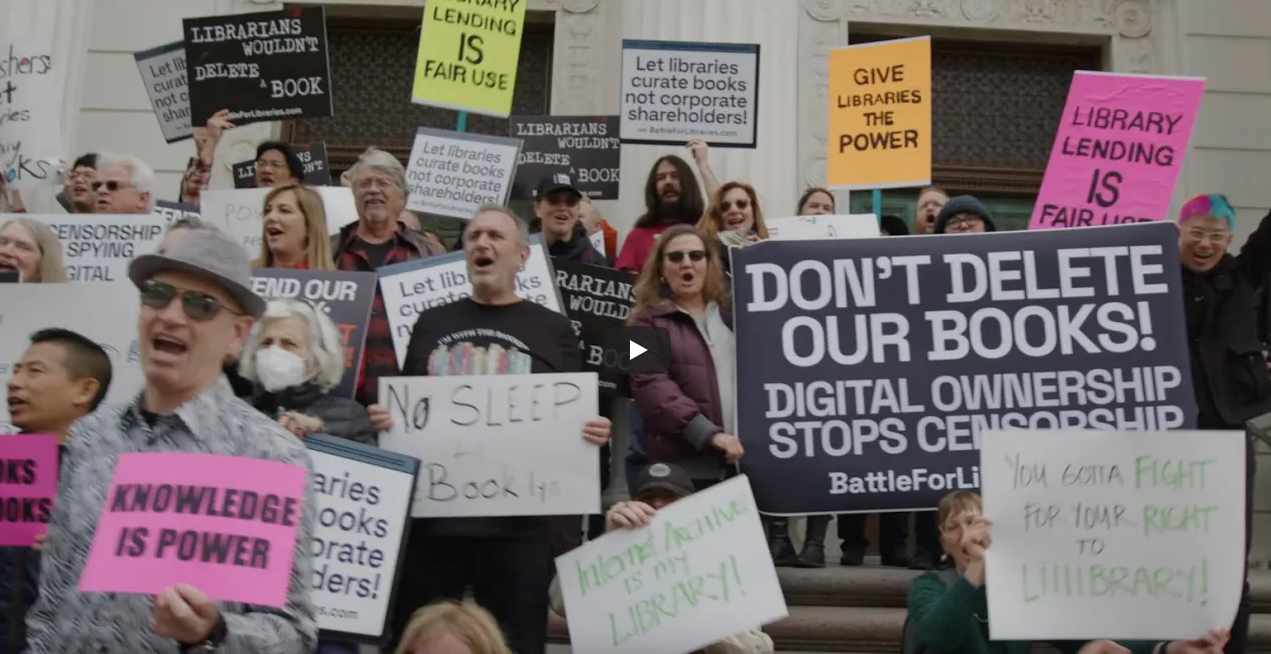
(196, 307)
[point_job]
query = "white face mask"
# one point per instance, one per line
(279, 369)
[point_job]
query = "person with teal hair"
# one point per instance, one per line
(1228, 365)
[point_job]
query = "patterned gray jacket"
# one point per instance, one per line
(65, 620)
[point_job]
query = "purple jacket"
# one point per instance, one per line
(681, 407)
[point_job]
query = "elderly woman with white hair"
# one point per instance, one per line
(295, 356)
(124, 184)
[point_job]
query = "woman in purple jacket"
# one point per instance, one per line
(688, 410)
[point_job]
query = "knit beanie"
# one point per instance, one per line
(963, 204)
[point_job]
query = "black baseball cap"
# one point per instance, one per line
(553, 183)
(664, 477)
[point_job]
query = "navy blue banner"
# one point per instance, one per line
(885, 358)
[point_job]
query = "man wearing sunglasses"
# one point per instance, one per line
(123, 185)
(196, 307)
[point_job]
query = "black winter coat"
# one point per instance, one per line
(19, 585)
(343, 417)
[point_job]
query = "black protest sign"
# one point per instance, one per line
(364, 498)
(883, 359)
(262, 67)
(345, 297)
(313, 157)
(10, 276)
(585, 147)
(175, 210)
(596, 299)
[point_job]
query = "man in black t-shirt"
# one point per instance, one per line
(508, 561)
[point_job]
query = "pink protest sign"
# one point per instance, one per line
(1119, 149)
(28, 486)
(223, 524)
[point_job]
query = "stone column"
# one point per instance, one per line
(68, 22)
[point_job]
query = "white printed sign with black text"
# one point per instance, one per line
(818, 228)
(415, 286)
(1123, 535)
(455, 173)
(364, 496)
(99, 247)
(497, 445)
(240, 212)
(700, 572)
(30, 133)
(106, 313)
(163, 72)
(674, 91)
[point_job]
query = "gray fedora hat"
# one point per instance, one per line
(211, 255)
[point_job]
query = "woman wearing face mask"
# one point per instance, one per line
(294, 230)
(294, 354)
(733, 219)
(687, 411)
(31, 248)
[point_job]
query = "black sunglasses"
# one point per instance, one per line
(196, 304)
(110, 184)
(740, 204)
(678, 255)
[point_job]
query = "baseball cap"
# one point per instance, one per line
(553, 183)
(664, 477)
(209, 254)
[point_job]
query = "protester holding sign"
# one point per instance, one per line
(1229, 370)
(124, 184)
(816, 201)
(277, 164)
(296, 356)
(62, 377)
(196, 309)
(378, 239)
(294, 230)
(930, 200)
(556, 210)
(947, 608)
(688, 410)
(733, 219)
(77, 193)
(964, 214)
(32, 249)
(672, 196)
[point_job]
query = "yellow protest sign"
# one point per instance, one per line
(880, 115)
(468, 54)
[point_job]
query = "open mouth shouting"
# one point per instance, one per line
(274, 231)
(8, 264)
(167, 349)
(482, 263)
(734, 222)
(16, 405)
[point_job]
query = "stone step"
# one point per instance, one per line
(870, 630)
(876, 586)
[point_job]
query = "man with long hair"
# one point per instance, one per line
(672, 196)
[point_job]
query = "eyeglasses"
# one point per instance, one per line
(110, 184)
(196, 304)
(741, 205)
(677, 256)
(270, 165)
(964, 221)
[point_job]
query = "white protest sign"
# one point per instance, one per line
(240, 212)
(163, 73)
(598, 241)
(822, 227)
(413, 287)
(673, 91)
(1131, 535)
(497, 445)
(357, 538)
(106, 313)
(698, 573)
(455, 173)
(30, 131)
(99, 247)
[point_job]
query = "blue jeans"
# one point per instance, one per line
(635, 460)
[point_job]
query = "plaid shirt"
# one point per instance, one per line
(379, 359)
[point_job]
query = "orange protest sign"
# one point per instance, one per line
(880, 115)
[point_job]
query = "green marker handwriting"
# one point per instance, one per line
(1062, 580)
(1179, 474)
(720, 585)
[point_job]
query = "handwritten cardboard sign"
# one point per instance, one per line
(345, 298)
(239, 213)
(412, 287)
(822, 227)
(28, 486)
(223, 524)
(700, 572)
(163, 72)
(496, 445)
(30, 134)
(1136, 535)
(99, 247)
(364, 496)
(1118, 151)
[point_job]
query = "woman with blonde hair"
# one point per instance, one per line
(452, 628)
(33, 249)
(733, 218)
(294, 230)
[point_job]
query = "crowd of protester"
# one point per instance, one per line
(229, 373)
